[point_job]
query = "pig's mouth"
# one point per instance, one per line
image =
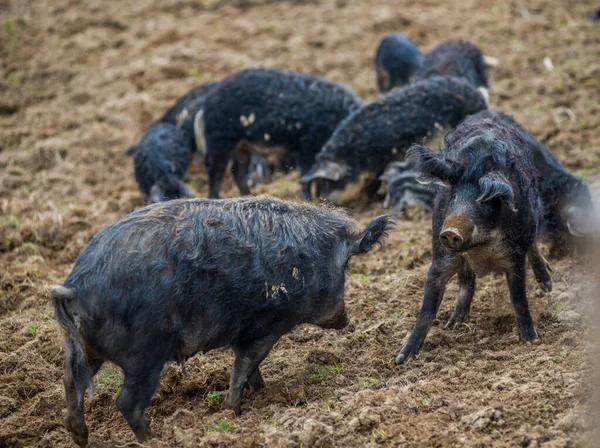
(339, 322)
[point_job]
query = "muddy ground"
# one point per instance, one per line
(80, 80)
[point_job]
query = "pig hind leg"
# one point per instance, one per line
(245, 370)
(75, 420)
(138, 387)
(466, 285)
(517, 283)
(540, 267)
(255, 381)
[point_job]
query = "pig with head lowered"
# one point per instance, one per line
(488, 215)
(396, 60)
(269, 112)
(383, 130)
(187, 276)
(160, 162)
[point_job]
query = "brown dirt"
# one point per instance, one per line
(79, 82)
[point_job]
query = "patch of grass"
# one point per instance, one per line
(364, 92)
(222, 425)
(389, 363)
(368, 382)
(10, 222)
(584, 172)
(379, 435)
(11, 39)
(194, 72)
(28, 249)
(109, 378)
(214, 397)
(559, 307)
(324, 372)
(15, 77)
(361, 278)
(33, 330)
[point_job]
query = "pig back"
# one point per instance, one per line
(205, 263)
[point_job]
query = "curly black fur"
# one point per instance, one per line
(185, 276)
(384, 129)
(161, 161)
(559, 189)
(487, 218)
(455, 58)
(271, 109)
(483, 151)
(396, 60)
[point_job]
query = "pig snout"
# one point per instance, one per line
(338, 322)
(456, 233)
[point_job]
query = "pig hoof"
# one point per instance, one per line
(455, 323)
(404, 357)
(530, 337)
(78, 433)
(237, 410)
(80, 440)
(546, 286)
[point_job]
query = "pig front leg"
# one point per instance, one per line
(540, 267)
(245, 370)
(517, 283)
(441, 271)
(466, 285)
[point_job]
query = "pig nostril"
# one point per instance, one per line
(451, 240)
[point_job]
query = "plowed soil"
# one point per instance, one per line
(79, 82)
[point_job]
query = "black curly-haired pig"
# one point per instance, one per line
(396, 60)
(487, 217)
(268, 111)
(160, 161)
(181, 277)
(381, 131)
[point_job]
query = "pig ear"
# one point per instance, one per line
(157, 194)
(495, 185)
(431, 166)
(325, 169)
(131, 150)
(373, 234)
